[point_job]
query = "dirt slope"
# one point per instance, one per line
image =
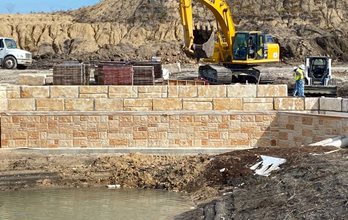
(141, 29)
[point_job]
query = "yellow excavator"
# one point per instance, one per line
(233, 55)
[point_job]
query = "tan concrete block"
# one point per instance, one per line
(50, 104)
(64, 91)
(35, 92)
(345, 105)
(258, 100)
(3, 104)
(272, 91)
(13, 92)
(93, 89)
(173, 91)
(258, 106)
(241, 91)
(138, 103)
(194, 106)
(167, 104)
(21, 104)
(108, 104)
(212, 91)
(123, 92)
(289, 104)
(96, 96)
(183, 91)
(312, 104)
(152, 92)
(228, 104)
(79, 104)
(3, 94)
(31, 79)
(331, 104)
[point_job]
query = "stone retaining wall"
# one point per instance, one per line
(230, 116)
(146, 98)
(168, 129)
(295, 129)
(187, 129)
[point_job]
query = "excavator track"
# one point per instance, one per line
(218, 74)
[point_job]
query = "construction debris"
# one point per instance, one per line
(267, 165)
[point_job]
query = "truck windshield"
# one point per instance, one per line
(10, 44)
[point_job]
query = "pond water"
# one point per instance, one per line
(99, 203)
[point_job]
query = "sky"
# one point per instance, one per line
(27, 6)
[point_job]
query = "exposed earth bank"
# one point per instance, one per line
(311, 185)
(140, 29)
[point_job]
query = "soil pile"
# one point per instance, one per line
(310, 185)
(139, 29)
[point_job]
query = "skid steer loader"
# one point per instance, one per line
(318, 77)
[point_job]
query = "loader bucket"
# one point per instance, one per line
(203, 43)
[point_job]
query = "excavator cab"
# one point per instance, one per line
(253, 46)
(248, 47)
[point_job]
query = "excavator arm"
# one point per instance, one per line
(223, 16)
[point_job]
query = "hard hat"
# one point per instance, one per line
(302, 67)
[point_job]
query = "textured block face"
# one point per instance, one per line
(108, 104)
(35, 92)
(212, 91)
(311, 104)
(138, 104)
(296, 104)
(3, 93)
(79, 105)
(228, 104)
(183, 91)
(123, 92)
(241, 91)
(152, 91)
(64, 91)
(50, 104)
(167, 104)
(272, 91)
(197, 106)
(331, 104)
(93, 89)
(31, 79)
(21, 104)
(3, 104)
(254, 106)
(345, 105)
(13, 92)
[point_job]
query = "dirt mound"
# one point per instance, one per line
(140, 29)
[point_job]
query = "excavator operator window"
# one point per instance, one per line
(240, 46)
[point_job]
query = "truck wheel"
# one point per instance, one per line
(10, 63)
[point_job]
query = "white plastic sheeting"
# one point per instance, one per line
(267, 165)
(339, 142)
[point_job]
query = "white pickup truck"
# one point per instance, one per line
(11, 57)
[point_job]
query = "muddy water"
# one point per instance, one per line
(91, 204)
